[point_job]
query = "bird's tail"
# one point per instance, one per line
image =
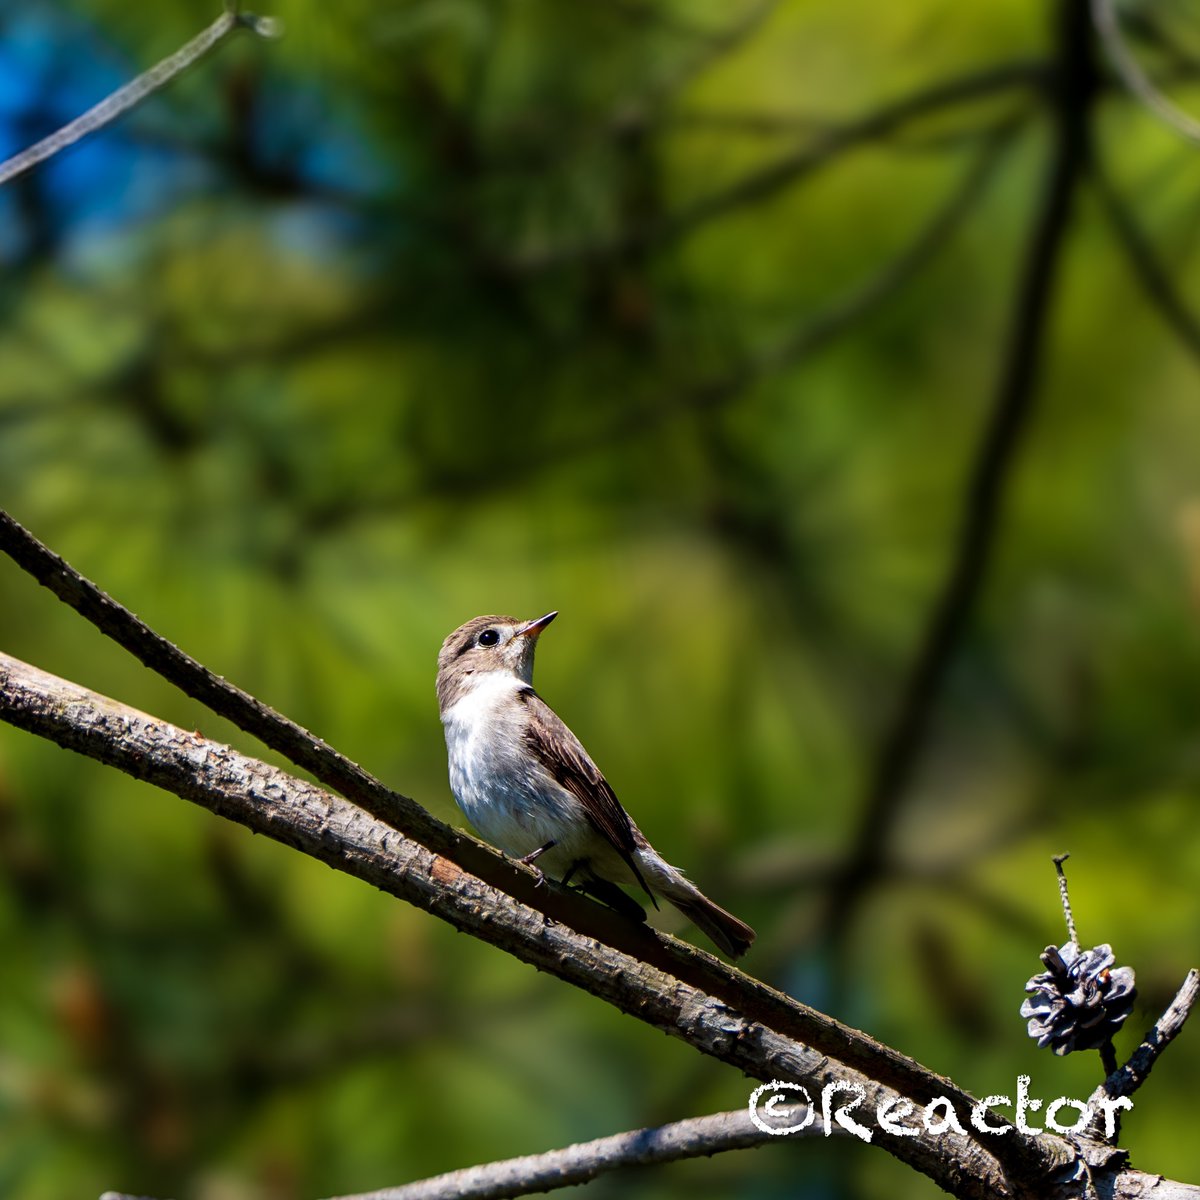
(731, 935)
(726, 931)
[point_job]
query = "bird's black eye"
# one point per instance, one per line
(489, 637)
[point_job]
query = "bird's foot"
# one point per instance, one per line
(528, 861)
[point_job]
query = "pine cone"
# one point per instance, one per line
(1079, 1001)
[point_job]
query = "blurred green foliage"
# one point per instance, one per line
(417, 319)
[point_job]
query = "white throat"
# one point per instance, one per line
(480, 697)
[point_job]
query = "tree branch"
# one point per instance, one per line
(1149, 271)
(1108, 25)
(805, 337)
(715, 46)
(1127, 1079)
(908, 733)
(693, 1138)
(336, 832)
(135, 91)
(791, 167)
(458, 852)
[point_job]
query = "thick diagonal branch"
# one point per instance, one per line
(458, 852)
(338, 833)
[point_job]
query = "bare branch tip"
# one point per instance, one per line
(1059, 859)
(271, 28)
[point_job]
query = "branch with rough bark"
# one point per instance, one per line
(459, 854)
(337, 832)
(343, 836)
(1127, 1079)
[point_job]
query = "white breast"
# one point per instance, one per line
(505, 794)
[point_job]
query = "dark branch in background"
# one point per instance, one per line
(715, 46)
(807, 336)
(135, 91)
(336, 832)
(804, 338)
(1108, 25)
(790, 168)
(693, 1138)
(1074, 83)
(1151, 274)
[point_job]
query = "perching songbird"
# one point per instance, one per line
(528, 786)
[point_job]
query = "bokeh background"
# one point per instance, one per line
(667, 315)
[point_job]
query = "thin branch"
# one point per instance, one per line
(816, 331)
(789, 168)
(227, 700)
(1108, 25)
(804, 338)
(1127, 1079)
(135, 91)
(715, 46)
(930, 238)
(658, 17)
(908, 733)
(336, 832)
(1156, 282)
(693, 1138)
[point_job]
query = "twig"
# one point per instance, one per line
(995, 457)
(1150, 272)
(135, 91)
(1108, 25)
(715, 45)
(693, 1138)
(793, 166)
(655, 15)
(1065, 896)
(1130, 1077)
(336, 832)
(930, 238)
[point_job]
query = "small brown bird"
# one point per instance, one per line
(526, 783)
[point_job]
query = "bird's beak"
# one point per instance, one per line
(533, 628)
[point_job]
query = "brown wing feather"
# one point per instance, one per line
(563, 755)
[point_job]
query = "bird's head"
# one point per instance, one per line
(483, 645)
